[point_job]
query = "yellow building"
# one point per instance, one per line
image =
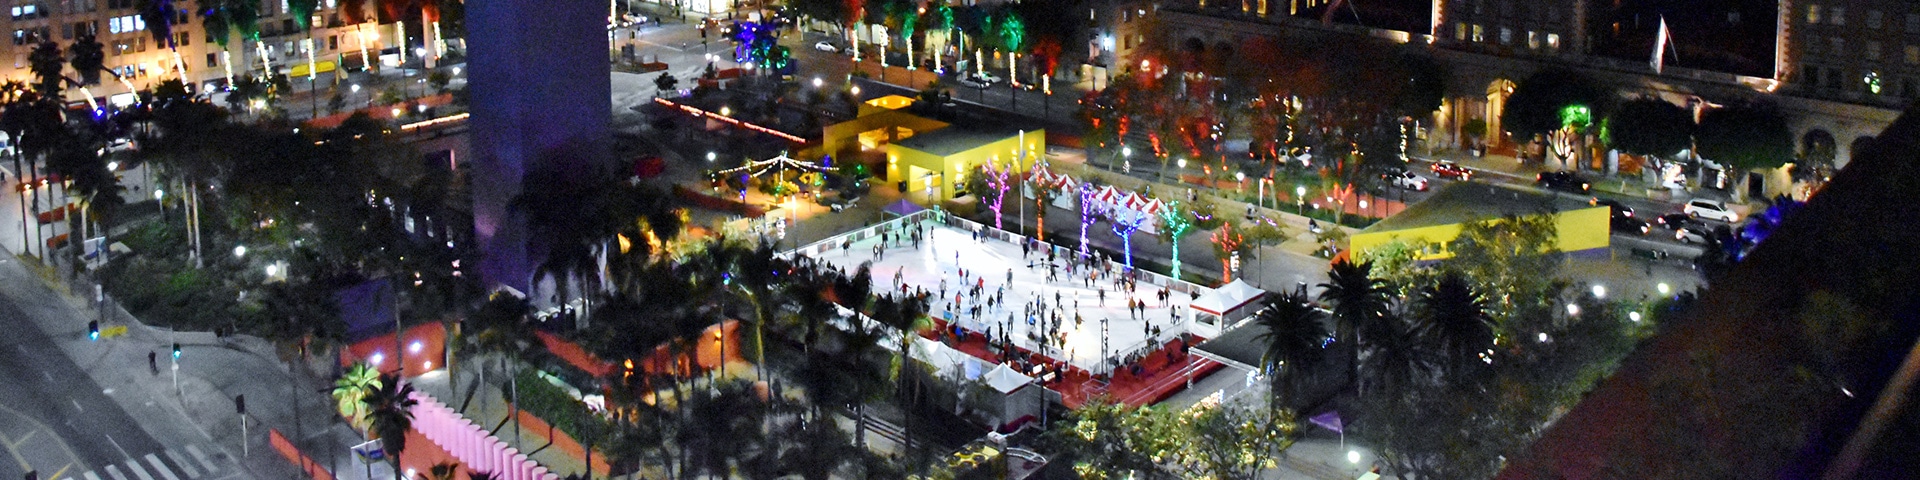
(1435, 222)
(929, 158)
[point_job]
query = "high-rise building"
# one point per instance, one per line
(1865, 51)
(133, 54)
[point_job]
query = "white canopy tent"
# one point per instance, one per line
(1220, 308)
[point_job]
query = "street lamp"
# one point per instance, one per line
(1240, 180)
(1664, 288)
(1600, 291)
(710, 157)
(240, 251)
(816, 82)
(1300, 199)
(1126, 155)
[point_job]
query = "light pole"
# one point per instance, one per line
(1126, 157)
(1300, 197)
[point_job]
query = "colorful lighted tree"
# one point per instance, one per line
(1090, 210)
(1225, 243)
(996, 179)
(1175, 223)
(1125, 222)
(759, 44)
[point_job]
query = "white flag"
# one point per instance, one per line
(1660, 41)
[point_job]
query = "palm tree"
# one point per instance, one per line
(1453, 318)
(730, 417)
(159, 16)
(439, 471)
(352, 388)
(1294, 341)
(1394, 358)
(1359, 302)
(390, 412)
(223, 18)
(907, 316)
(499, 327)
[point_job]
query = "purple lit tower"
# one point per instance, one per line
(541, 101)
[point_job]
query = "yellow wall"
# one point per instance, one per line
(836, 138)
(1583, 229)
(901, 160)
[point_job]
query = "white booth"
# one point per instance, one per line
(1221, 308)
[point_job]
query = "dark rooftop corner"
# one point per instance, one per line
(1801, 362)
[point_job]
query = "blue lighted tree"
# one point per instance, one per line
(1125, 222)
(1090, 210)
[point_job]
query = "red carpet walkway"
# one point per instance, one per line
(1162, 373)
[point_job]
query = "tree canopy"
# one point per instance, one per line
(1649, 126)
(1537, 102)
(1745, 137)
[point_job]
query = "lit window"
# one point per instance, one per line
(1813, 14)
(1506, 36)
(1533, 40)
(1553, 41)
(1479, 33)
(1460, 32)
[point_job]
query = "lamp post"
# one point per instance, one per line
(1300, 198)
(1183, 169)
(1126, 157)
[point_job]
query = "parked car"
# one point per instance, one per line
(826, 47)
(1563, 181)
(975, 82)
(1630, 225)
(986, 77)
(1446, 169)
(1614, 207)
(1712, 209)
(1407, 180)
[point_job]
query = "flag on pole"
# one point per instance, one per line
(1660, 41)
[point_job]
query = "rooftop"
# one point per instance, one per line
(955, 139)
(1461, 202)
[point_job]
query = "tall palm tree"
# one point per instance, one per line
(352, 388)
(907, 317)
(730, 417)
(1295, 342)
(1394, 360)
(390, 412)
(499, 327)
(1453, 318)
(159, 16)
(223, 18)
(1358, 301)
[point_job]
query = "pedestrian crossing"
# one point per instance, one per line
(169, 464)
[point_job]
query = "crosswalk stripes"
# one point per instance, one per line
(185, 466)
(202, 457)
(138, 471)
(161, 467)
(157, 468)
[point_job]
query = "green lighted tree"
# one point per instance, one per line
(1175, 223)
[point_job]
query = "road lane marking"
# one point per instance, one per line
(202, 457)
(116, 446)
(115, 473)
(91, 476)
(183, 463)
(138, 471)
(161, 467)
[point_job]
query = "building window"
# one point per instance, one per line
(1533, 40)
(66, 31)
(1813, 14)
(1506, 36)
(1460, 32)
(333, 42)
(1873, 50)
(213, 60)
(1837, 16)
(183, 38)
(1479, 34)
(1553, 41)
(1839, 45)
(1913, 23)
(1913, 54)
(1909, 88)
(1873, 19)
(1809, 75)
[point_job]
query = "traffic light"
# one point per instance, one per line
(93, 329)
(176, 350)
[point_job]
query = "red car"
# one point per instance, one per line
(1445, 169)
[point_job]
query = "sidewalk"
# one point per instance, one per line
(211, 373)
